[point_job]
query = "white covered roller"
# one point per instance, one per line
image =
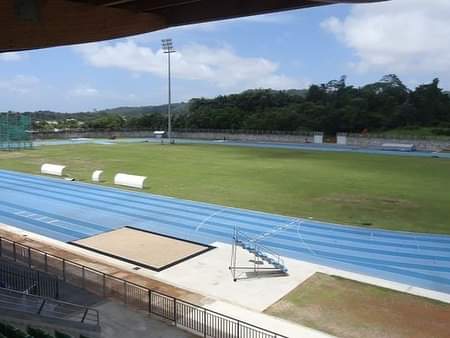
(97, 175)
(52, 169)
(130, 180)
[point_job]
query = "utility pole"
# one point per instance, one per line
(167, 46)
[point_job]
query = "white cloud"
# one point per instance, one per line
(11, 56)
(397, 36)
(221, 67)
(20, 84)
(84, 91)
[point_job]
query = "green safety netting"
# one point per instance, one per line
(15, 131)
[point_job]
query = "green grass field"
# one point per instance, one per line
(350, 309)
(401, 193)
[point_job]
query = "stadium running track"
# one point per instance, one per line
(69, 211)
(271, 145)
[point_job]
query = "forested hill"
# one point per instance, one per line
(126, 112)
(332, 107)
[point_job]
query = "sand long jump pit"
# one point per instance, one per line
(142, 248)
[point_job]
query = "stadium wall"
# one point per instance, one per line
(356, 140)
(377, 142)
(236, 136)
(46, 135)
(308, 138)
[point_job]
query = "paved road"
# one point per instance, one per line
(118, 321)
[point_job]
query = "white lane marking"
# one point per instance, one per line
(277, 229)
(208, 218)
(37, 217)
(303, 241)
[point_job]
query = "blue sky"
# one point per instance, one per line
(285, 50)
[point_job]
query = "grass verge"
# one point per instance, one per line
(398, 193)
(350, 309)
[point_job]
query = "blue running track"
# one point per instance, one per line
(72, 210)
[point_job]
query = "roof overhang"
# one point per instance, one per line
(31, 24)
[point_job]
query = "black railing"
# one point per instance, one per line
(183, 314)
(19, 278)
(24, 303)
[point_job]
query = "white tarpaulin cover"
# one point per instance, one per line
(130, 180)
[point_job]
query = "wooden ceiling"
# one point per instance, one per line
(31, 24)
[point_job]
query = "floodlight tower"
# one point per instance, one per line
(168, 49)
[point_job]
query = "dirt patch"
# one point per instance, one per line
(367, 200)
(350, 309)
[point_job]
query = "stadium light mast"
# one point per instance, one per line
(168, 49)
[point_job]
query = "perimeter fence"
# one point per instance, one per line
(15, 131)
(23, 279)
(183, 314)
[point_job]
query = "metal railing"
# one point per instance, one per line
(260, 247)
(185, 315)
(46, 134)
(12, 300)
(20, 278)
(394, 136)
(246, 131)
(50, 133)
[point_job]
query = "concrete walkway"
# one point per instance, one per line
(118, 321)
(245, 300)
(277, 325)
(259, 293)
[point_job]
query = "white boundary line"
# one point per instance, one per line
(208, 218)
